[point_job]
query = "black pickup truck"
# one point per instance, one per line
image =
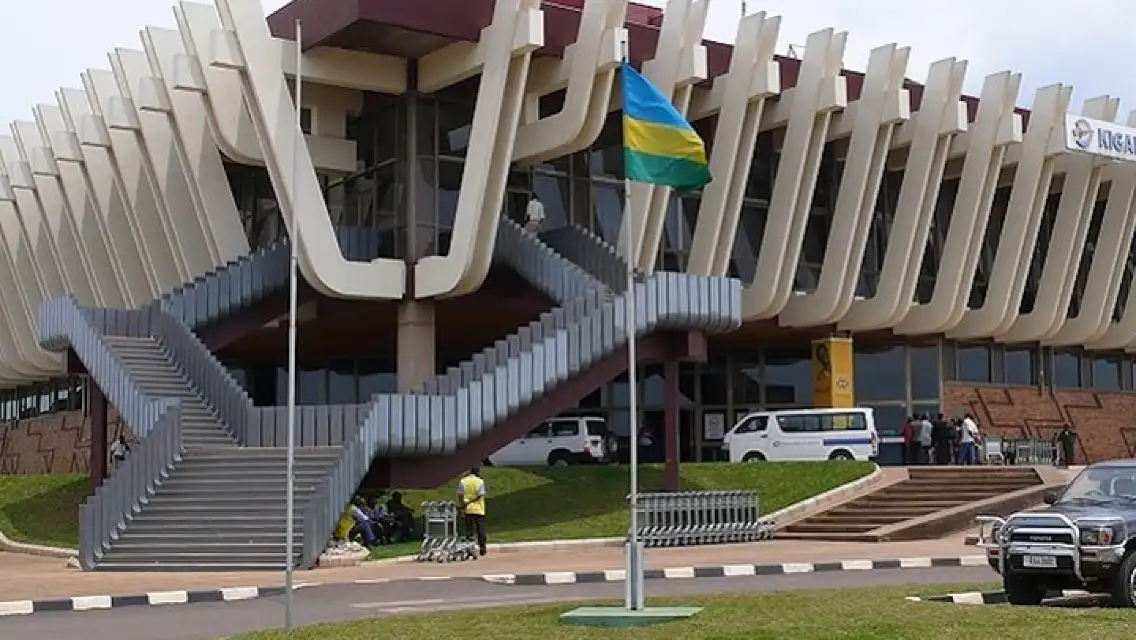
(1085, 538)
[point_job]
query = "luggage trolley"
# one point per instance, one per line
(441, 539)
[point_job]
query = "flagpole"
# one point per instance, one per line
(290, 492)
(634, 578)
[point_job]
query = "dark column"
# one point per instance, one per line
(670, 375)
(98, 406)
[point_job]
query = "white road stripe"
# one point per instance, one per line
(16, 608)
(615, 575)
(87, 603)
(167, 597)
(857, 565)
(674, 573)
(560, 577)
(914, 563)
(968, 598)
(973, 561)
(797, 567)
(733, 570)
(230, 594)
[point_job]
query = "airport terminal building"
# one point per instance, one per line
(950, 253)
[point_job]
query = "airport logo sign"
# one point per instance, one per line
(1100, 138)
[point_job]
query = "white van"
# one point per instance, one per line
(557, 442)
(804, 434)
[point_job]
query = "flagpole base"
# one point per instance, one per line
(633, 581)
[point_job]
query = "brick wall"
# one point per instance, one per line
(59, 443)
(1105, 422)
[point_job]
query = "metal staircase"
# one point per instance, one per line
(200, 490)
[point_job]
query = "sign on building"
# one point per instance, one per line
(1100, 138)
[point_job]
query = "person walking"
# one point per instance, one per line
(910, 442)
(941, 437)
(968, 436)
(118, 451)
(925, 441)
(471, 499)
(1067, 445)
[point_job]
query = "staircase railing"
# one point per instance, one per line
(252, 278)
(591, 252)
(156, 424)
(493, 389)
(555, 276)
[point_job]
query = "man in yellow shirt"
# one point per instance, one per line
(471, 499)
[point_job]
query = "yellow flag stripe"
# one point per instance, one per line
(663, 140)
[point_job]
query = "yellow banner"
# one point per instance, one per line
(832, 373)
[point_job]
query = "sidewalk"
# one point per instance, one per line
(34, 578)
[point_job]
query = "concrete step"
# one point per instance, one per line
(824, 528)
(223, 525)
(207, 558)
(855, 519)
(930, 505)
(210, 486)
(187, 539)
(257, 453)
(218, 491)
(908, 512)
(173, 567)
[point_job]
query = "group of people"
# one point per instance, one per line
(378, 523)
(941, 441)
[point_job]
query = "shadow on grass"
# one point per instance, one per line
(42, 509)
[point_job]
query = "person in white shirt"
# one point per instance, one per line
(118, 451)
(969, 438)
(924, 428)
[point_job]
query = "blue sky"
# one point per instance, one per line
(45, 44)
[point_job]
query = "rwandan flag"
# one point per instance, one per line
(659, 145)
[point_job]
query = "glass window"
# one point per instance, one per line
(973, 362)
(543, 431)
(564, 428)
(342, 387)
(800, 423)
(311, 385)
(879, 373)
(788, 377)
(552, 191)
(1106, 372)
(1066, 369)
(454, 124)
(747, 378)
(1021, 365)
(376, 376)
(890, 418)
(851, 421)
(924, 363)
(607, 211)
(713, 385)
(753, 424)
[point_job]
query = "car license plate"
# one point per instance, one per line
(1040, 562)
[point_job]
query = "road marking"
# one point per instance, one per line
(87, 603)
(797, 567)
(737, 570)
(167, 597)
(973, 561)
(231, 594)
(678, 572)
(560, 577)
(615, 575)
(857, 565)
(915, 563)
(17, 608)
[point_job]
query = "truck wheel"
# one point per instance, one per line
(1124, 587)
(1021, 591)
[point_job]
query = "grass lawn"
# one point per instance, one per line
(560, 503)
(42, 509)
(848, 614)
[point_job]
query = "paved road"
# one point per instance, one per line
(344, 602)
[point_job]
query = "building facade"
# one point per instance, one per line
(977, 254)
